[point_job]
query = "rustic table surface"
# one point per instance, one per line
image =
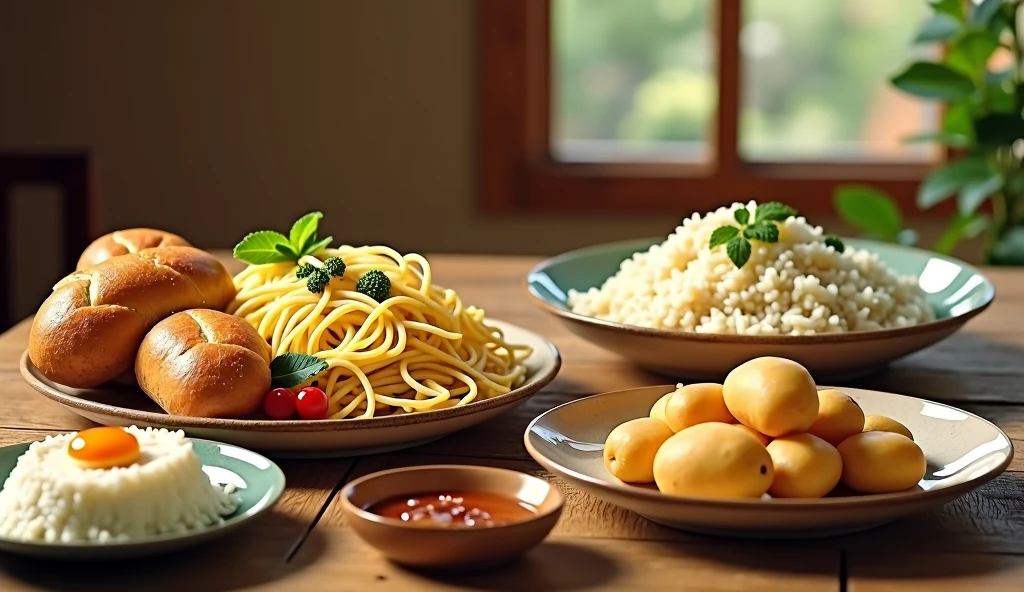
(975, 543)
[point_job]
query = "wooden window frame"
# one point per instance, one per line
(516, 172)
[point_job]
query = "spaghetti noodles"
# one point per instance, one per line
(420, 349)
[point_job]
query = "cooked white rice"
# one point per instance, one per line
(797, 286)
(47, 497)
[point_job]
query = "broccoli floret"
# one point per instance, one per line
(317, 281)
(374, 284)
(304, 271)
(835, 243)
(334, 266)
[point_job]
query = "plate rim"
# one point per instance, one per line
(265, 505)
(790, 504)
(931, 326)
(526, 390)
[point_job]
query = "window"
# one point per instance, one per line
(673, 105)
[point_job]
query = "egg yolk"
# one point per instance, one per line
(104, 448)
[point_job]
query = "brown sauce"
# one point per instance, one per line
(456, 509)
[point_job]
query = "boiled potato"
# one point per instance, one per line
(760, 437)
(839, 417)
(881, 423)
(714, 460)
(881, 462)
(774, 396)
(696, 403)
(805, 466)
(658, 411)
(629, 450)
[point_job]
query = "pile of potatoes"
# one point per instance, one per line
(766, 430)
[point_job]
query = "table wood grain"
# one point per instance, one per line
(974, 543)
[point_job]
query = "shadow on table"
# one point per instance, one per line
(248, 558)
(543, 569)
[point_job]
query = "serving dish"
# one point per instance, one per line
(258, 481)
(956, 291)
(450, 547)
(963, 452)
(122, 406)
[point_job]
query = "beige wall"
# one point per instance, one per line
(214, 118)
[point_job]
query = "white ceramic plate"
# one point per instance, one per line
(259, 484)
(963, 451)
(124, 406)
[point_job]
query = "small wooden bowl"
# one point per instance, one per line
(420, 546)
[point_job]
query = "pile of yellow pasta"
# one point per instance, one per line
(419, 350)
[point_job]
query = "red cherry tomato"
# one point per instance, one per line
(279, 404)
(311, 403)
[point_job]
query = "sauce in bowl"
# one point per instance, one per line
(456, 509)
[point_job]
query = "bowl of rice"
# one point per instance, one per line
(677, 307)
(172, 492)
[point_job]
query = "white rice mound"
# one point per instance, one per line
(47, 497)
(797, 286)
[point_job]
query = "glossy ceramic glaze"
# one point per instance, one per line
(440, 547)
(963, 451)
(956, 291)
(123, 406)
(259, 484)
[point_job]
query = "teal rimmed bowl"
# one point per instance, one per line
(955, 290)
(258, 481)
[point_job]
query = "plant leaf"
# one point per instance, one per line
(317, 246)
(773, 211)
(938, 27)
(959, 120)
(766, 232)
(997, 129)
(288, 370)
(907, 236)
(286, 250)
(973, 194)
(723, 235)
(944, 182)
(984, 12)
(953, 8)
(970, 53)
(960, 227)
(869, 210)
(933, 81)
(1009, 250)
(303, 231)
(945, 138)
(738, 250)
(742, 215)
(260, 247)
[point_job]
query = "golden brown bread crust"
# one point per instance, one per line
(124, 242)
(204, 363)
(88, 331)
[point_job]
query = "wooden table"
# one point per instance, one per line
(975, 543)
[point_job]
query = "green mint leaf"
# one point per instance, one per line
(317, 246)
(289, 370)
(765, 232)
(303, 232)
(287, 251)
(723, 235)
(738, 250)
(773, 212)
(742, 215)
(834, 242)
(260, 247)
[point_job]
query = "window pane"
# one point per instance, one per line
(815, 81)
(632, 80)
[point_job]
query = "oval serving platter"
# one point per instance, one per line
(258, 481)
(963, 452)
(955, 290)
(124, 406)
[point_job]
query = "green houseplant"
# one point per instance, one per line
(982, 123)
